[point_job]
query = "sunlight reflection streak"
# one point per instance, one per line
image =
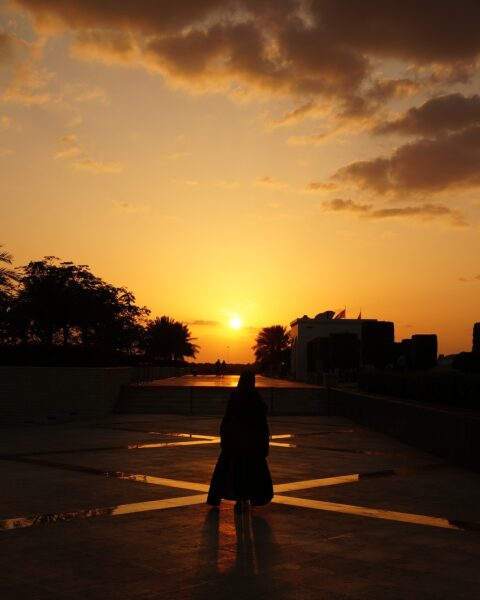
(362, 511)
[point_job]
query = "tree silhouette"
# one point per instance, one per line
(271, 345)
(167, 339)
(8, 279)
(7, 275)
(63, 303)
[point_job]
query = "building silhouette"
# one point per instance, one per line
(325, 344)
(476, 340)
(417, 353)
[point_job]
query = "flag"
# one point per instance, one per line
(341, 314)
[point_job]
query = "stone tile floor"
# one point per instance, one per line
(115, 509)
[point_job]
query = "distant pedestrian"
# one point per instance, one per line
(218, 368)
(223, 368)
(242, 472)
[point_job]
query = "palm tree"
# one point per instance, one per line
(271, 344)
(167, 339)
(7, 275)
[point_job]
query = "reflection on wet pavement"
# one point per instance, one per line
(377, 513)
(165, 444)
(152, 480)
(193, 439)
(201, 439)
(112, 511)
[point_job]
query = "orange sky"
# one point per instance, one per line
(259, 159)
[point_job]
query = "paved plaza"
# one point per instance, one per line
(115, 509)
(225, 381)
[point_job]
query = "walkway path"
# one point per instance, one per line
(225, 381)
(115, 509)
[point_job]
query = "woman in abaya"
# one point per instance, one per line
(241, 472)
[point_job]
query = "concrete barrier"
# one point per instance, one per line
(43, 394)
(451, 433)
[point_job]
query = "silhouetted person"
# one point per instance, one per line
(242, 472)
(218, 368)
(223, 368)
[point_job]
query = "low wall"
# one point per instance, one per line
(197, 400)
(452, 434)
(437, 387)
(42, 394)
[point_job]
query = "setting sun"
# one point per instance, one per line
(235, 322)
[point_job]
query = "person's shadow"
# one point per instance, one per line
(248, 567)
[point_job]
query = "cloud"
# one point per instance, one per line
(321, 186)
(92, 94)
(422, 32)
(226, 184)
(192, 183)
(204, 322)
(446, 113)
(423, 212)
(450, 161)
(95, 165)
(177, 155)
(143, 16)
(338, 204)
(130, 208)
(26, 97)
(109, 47)
(75, 121)
(384, 89)
(28, 83)
(469, 280)
(270, 182)
(301, 48)
(12, 50)
(310, 109)
(71, 148)
(5, 47)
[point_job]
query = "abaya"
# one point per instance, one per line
(241, 472)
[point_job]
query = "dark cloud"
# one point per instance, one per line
(338, 204)
(5, 47)
(12, 50)
(204, 322)
(450, 161)
(451, 112)
(315, 50)
(143, 16)
(423, 212)
(384, 89)
(443, 31)
(320, 46)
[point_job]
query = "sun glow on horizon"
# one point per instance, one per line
(235, 322)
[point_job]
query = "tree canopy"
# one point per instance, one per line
(55, 305)
(167, 339)
(63, 303)
(271, 345)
